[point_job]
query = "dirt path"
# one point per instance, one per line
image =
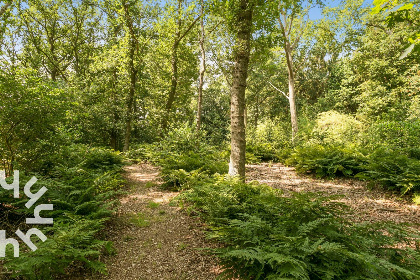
(154, 240)
(369, 204)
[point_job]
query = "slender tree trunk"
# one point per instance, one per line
(133, 80)
(202, 69)
(240, 74)
(130, 101)
(174, 85)
(114, 134)
(292, 94)
(257, 109)
(174, 67)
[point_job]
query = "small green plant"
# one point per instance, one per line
(128, 238)
(416, 198)
(149, 185)
(182, 246)
(140, 220)
(82, 186)
(394, 170)
(153, 205)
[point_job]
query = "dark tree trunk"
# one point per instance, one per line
(174, 68)
(130, 100)
(133, 80)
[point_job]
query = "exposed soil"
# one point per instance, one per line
(154, 240)
(369, 204)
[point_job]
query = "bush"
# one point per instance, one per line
(304, 236)
(401, 135)
(328, 160)
(262, 152)
(394, 170)
(183, 154)
(336, 128)
(82, 187)
(266, 139)
(175, 167)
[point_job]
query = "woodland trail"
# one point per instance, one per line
(154, 240)
(370, 204)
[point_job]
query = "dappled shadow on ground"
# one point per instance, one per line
(154, 240)
(369, 204)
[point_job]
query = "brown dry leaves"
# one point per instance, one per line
(369, 204)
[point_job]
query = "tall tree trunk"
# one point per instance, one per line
(174, 85)
(174, 68)
(292, 95)
(130, 101)
(133, 79)
(174, 65)
(240, 74)
(257, 109)
(202, 69)
(114, 134)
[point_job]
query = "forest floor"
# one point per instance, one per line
(157, 240)
(154, 239)
(369, 203)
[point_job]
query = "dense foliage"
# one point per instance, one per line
(81, 186)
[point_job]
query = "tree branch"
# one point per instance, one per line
(188, 29)
(282, 92)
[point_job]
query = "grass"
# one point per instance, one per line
(140, 220)
(153, 205)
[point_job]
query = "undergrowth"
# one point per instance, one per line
(82, 186)
(303, 236)
(269, 235)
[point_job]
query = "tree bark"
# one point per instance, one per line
(202, 69)
(130, 100)
(114, 133)
(174, 85)
(133, 80)
(292, 94)
(174, 65)
(240, 74)
(174, 68)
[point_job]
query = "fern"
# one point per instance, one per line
(302, 236)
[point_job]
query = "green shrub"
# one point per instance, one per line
(175, 167)
(393, 169)
(184, 156)
(401, 135)
(336, 128)
(304, 236)
(142, 152)
(262, 151)
(266, 139)
(82, 187)
(327, 160)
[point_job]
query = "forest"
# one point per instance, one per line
(209, 139)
